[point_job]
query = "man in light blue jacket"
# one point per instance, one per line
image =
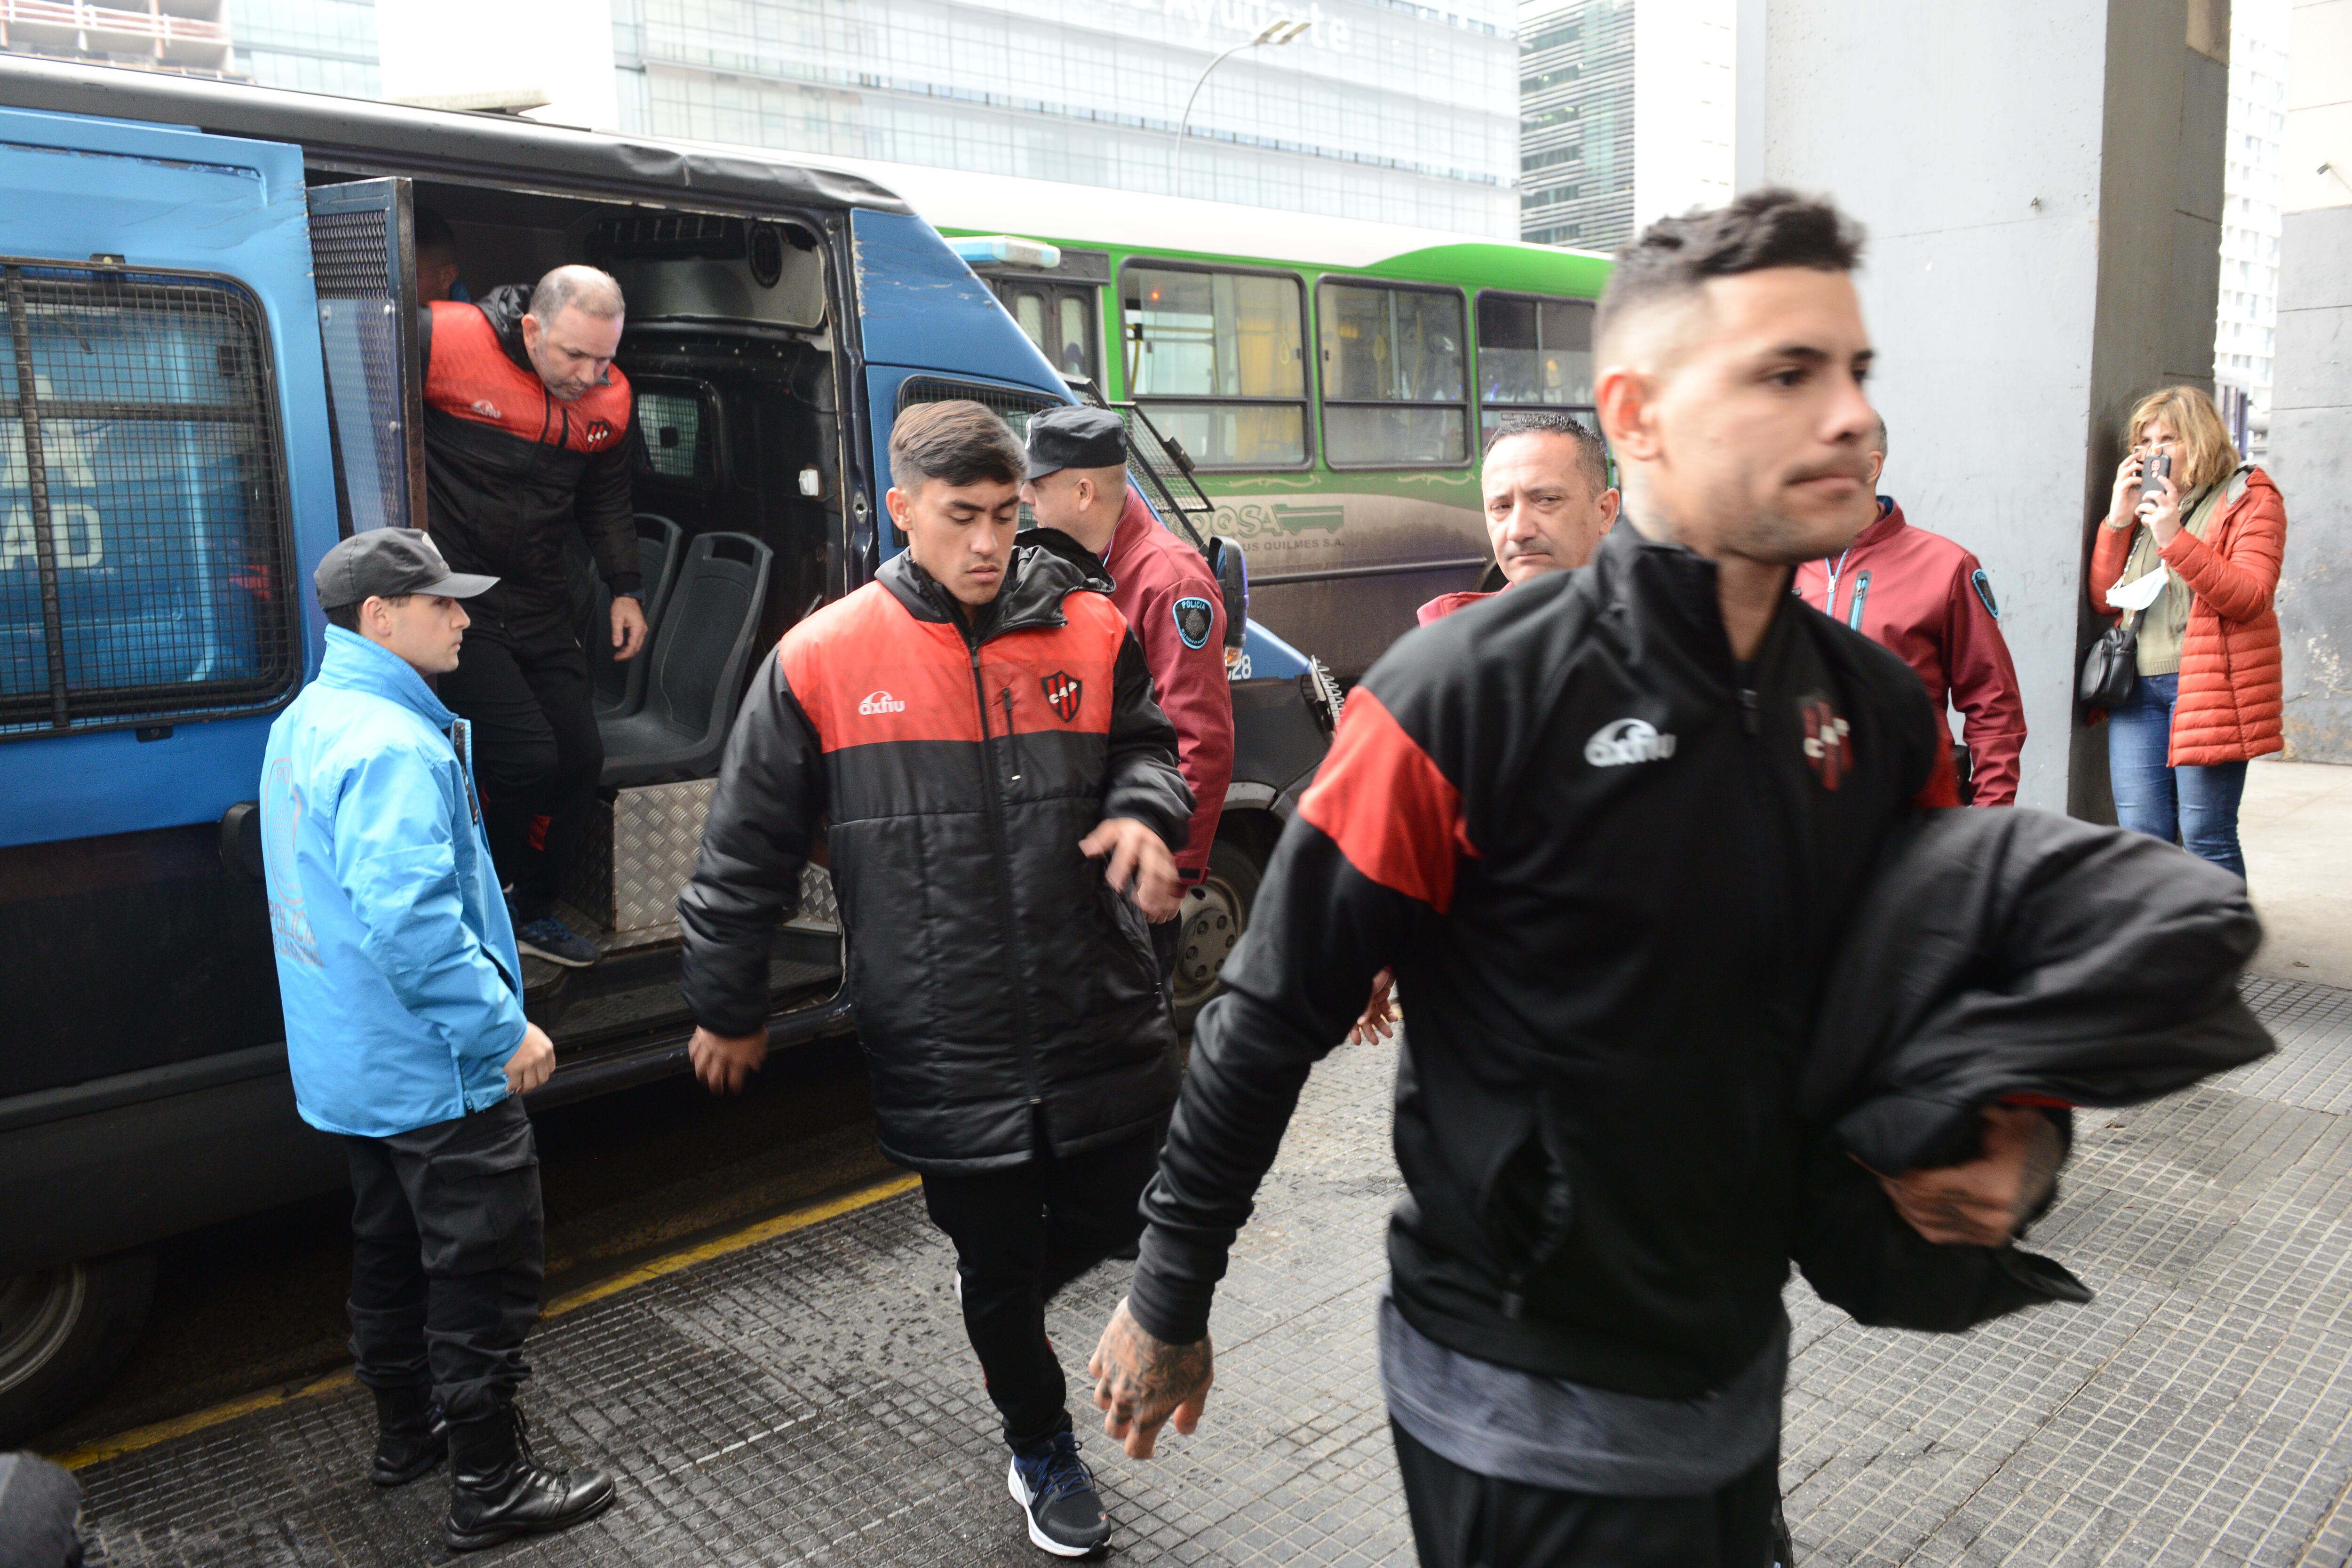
(405, 1035)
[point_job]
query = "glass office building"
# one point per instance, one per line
(1385, 109)
(313, 46)
(1576, 122)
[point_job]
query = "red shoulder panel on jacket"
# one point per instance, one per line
(866, 671)
(472, 377)
(1384, 801)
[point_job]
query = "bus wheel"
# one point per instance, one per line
(1216, 912)
(63, 1332)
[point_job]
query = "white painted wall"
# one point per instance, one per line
(2311, 416)
(438, 48)
(1986, 151)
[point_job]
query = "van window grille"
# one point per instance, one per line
(144, 558)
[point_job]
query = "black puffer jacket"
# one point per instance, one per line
(998, 978)
(513, 476)
(2001, 956)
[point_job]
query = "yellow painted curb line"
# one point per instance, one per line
(140, 1438)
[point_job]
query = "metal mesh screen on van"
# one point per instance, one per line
(144, 562)
(369, 338)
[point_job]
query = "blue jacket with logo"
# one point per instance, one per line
(395, 957)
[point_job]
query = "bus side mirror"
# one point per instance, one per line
(1232, 569)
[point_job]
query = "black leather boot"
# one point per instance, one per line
(497, 1491)
(410, 1436)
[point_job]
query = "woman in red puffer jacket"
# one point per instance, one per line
(2208, 696)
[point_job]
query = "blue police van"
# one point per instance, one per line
(208, 374)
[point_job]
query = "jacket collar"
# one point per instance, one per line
(1889, 523)
(504, 308)
(355, 664)
(1657, 586)
(1046, 566)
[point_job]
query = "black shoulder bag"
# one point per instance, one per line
(2112, 665)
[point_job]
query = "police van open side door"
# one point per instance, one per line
(363, 251)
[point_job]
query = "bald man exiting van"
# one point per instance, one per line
(527, 443)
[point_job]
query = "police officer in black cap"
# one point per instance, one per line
(1078, 484)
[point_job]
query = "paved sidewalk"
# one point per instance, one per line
(810, 1400)
(2295, 823)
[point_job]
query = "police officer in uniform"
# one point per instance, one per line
(1077, 484)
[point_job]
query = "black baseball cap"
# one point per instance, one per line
(1074, 436)
(386, 563)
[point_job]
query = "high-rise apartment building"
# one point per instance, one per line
(190, 36)
(2245, 334)
(1386, 109)
(1625, 115)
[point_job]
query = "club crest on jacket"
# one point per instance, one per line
(1828, 748)
(1062, 694)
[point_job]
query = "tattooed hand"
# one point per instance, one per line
(1142, 1382)
(1982, 1203)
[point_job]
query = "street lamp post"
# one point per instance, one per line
(1274, 32)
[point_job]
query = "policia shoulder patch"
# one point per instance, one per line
(1195, 618)
(1983, 585)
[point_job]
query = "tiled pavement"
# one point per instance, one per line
(810, 1400)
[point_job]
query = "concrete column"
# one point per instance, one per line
(2310, 398)
(2042, 181)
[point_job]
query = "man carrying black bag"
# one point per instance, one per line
(1587, 825)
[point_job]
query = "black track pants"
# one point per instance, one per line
(1020, 1235)
(447, 1250)
(523, 685)
(1463, 1519)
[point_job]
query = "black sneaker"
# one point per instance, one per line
(551, 939)
(1056, 1491)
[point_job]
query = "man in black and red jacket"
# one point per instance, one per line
(527, 447)
(972, 727)
(1606, 829)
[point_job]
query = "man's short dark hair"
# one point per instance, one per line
(1763, 229)
(957, 442)
(1592, 451)
(433, 232)
(347, 616)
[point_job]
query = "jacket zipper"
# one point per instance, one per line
(1003, 856)
(1011, 736)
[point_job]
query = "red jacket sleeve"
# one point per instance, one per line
(1194, 693)
(2236, 586)
(1984, 689)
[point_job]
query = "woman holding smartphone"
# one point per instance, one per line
(2207, 699)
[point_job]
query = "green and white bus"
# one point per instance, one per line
(1350, 472)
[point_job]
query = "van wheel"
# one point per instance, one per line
(63, 1332)
(1216, 912)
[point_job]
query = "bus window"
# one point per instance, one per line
(1059, 319)
(1533, 351)
(1218, 360)
(1393, 388)
(144, 572)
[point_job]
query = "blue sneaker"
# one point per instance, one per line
(1056, 1491)
(551, 939)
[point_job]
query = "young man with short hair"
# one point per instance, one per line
(1077, 485)
(1549, 500)
(1584, 825)
(1928, 598)
(406, 1036)
(972, 728)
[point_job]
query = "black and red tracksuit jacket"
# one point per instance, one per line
(1607, 865)
(511, 474)
(1000, 982)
